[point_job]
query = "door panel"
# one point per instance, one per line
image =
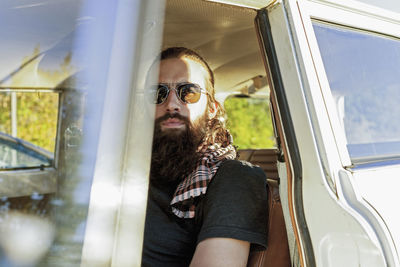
(330, 207)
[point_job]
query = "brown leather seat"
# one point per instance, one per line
(277, 252)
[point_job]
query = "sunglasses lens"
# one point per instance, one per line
(157, 94)
(161, 94)
(189, 93)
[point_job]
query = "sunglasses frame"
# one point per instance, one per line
(176, 88)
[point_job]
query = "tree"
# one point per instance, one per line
(249, 121)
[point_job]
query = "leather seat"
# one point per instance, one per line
(277, 252)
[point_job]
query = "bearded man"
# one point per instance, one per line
(205, 208)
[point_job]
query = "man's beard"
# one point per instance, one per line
(175, 153)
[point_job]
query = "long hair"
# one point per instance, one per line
(217, 132)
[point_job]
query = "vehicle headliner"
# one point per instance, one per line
(224, 35)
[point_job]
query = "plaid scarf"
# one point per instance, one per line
(196, 183)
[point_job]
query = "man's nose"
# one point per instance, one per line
(173, 103)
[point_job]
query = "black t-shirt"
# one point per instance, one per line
(235, 206)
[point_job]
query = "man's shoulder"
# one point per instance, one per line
(236, 204)
(239, 171)
(241, 166)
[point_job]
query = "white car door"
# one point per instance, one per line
(334, 68)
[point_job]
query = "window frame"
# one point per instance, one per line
(24, 181)
(355, 16)
(56, 137)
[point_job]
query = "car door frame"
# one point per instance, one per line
(316, 158)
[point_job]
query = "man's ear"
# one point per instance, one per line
(212, 110)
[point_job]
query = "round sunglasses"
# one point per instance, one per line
(188, 93)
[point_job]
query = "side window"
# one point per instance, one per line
(367, 100)
(249, 121)
(28, 128)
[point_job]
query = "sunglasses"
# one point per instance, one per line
(188, 93)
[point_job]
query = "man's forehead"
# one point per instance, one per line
(174, 67)
(181, 69)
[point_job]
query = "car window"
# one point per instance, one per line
(249, 121)
(28, 128)
(16, 153)
(36, 51)
(363, 70)
(69, 99)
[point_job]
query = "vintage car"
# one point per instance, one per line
(328, 70)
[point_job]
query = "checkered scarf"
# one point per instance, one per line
(196, 183)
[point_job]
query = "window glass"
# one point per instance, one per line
(37, 56)
(363, 70)
(249, 121)
(65, 63)
(28, 127)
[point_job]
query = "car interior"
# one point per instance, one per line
(225, 35)
(49, 171)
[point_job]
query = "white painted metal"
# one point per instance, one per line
(282, 43)
(353, 12)
(391, 5)
(363, 17)
(136, 164)
(114, 232)
(349, 193)
(379, 188)
(290, 74)
(340, 237)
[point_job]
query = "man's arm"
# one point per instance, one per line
(221, 252)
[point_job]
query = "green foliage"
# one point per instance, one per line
(36, 117)
(249, 122)
(5, 109)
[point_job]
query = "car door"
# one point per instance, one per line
(333, 69)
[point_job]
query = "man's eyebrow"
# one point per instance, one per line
(178, 83)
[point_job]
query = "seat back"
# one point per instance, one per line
(277, 252)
